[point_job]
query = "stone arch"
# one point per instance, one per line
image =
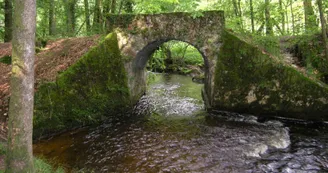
(139, 36)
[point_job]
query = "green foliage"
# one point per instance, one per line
(6, 60)
(238, 16)
(84, 93)
(175, 56)
(309, 50)
(42, 166)
(269, 43)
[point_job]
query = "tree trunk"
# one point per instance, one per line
(282, 14)
(259, 31)
(323, 27)
(113, 7)
(240, 15)
(310, 18)
(235, 7)
(97, 16)
(87, 15)
(70, 16)
(8, 20)
(252, 14)
(292, 14)
(52, 19)
(19, 157)
(287, 19)
(268, 22)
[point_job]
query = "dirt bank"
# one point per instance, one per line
(57, 56)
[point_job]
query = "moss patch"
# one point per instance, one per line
(94, 87)
(248, 79)
(6, 60)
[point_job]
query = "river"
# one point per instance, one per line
(169, 131)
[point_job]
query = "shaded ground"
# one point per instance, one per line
(57, 56)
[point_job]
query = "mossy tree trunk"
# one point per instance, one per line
(323, 27)
(19, 157)
(8, 20)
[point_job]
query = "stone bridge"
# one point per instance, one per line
(239, 77)
(139, 36)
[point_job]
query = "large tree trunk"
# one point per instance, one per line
(282, 15)
(8, 20)
(252, 14)
(52, 19)
(310, 18)
(19, 157)
(87, 15)
(323, 27)
(268, 22)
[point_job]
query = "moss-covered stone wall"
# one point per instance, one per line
(250, 80)
(89, 90)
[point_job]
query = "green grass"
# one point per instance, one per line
(43, 167)
(40, 165)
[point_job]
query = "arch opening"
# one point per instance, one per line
(186, 59)
(150, 50)
(173, 56)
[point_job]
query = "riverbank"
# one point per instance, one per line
(40, 165)
(54, 58)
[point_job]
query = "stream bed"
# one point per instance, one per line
(169, 131)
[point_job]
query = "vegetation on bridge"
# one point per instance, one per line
(94, 87)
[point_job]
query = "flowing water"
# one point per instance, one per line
(170, 132)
